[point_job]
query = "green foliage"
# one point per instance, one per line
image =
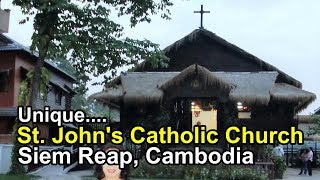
(315, 129)
(24, 94)
(146, 171)
(17, 177)
(83, 30)
(23, 100)
(16, 167)
(279, 166)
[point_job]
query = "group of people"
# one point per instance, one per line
(306, 157)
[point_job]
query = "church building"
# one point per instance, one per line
(208, 81)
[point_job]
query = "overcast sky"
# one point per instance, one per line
(284, 33)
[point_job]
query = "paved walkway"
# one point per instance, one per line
(292, 174)
(55, 172)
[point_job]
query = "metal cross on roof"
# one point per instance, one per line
(201, 13)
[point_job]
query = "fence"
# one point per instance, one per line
(292, 153)
(5, 158)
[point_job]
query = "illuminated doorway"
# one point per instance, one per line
(204, 115)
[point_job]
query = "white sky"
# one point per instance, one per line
(283, 33)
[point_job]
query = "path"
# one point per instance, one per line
(55, 172)
(292, 174)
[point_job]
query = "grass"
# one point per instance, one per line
(16, 177)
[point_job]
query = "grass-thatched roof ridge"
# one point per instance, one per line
(193, 36)
(287, 93)
(109, 95)
(197, 73)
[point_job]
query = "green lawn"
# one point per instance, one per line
(16, 177)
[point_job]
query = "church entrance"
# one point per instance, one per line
(204, 114)
(188, 112)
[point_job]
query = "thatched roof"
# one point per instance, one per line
(305, 119)
(247, 87)
(142, 87)
(110, 95)
(212, 37)
(291, 94)
(251, 88)
(197, 73)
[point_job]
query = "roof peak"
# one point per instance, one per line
(195, 34)
(197, 71)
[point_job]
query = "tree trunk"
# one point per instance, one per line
(36, 80)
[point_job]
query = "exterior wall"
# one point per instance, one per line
(7, 62)
(51, 100)
(4, 20)
(15, 61)
(5, 158)
(272, 117)
(22, 61)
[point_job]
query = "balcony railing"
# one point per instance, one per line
(4, 20)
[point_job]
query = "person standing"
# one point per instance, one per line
(304, 160)
(278, 150)
(309, 161)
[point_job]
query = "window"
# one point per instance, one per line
(58, 97)
(4, 80)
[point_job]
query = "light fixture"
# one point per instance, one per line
(240, 107)
(239, 103)
(192, 103)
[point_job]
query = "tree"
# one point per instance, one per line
(315, 129)
(83, 30)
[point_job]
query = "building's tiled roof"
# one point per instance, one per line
(317, 111)
(8, 44)
(8, 112)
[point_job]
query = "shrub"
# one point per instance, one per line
(279, 167)
(208, 172)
